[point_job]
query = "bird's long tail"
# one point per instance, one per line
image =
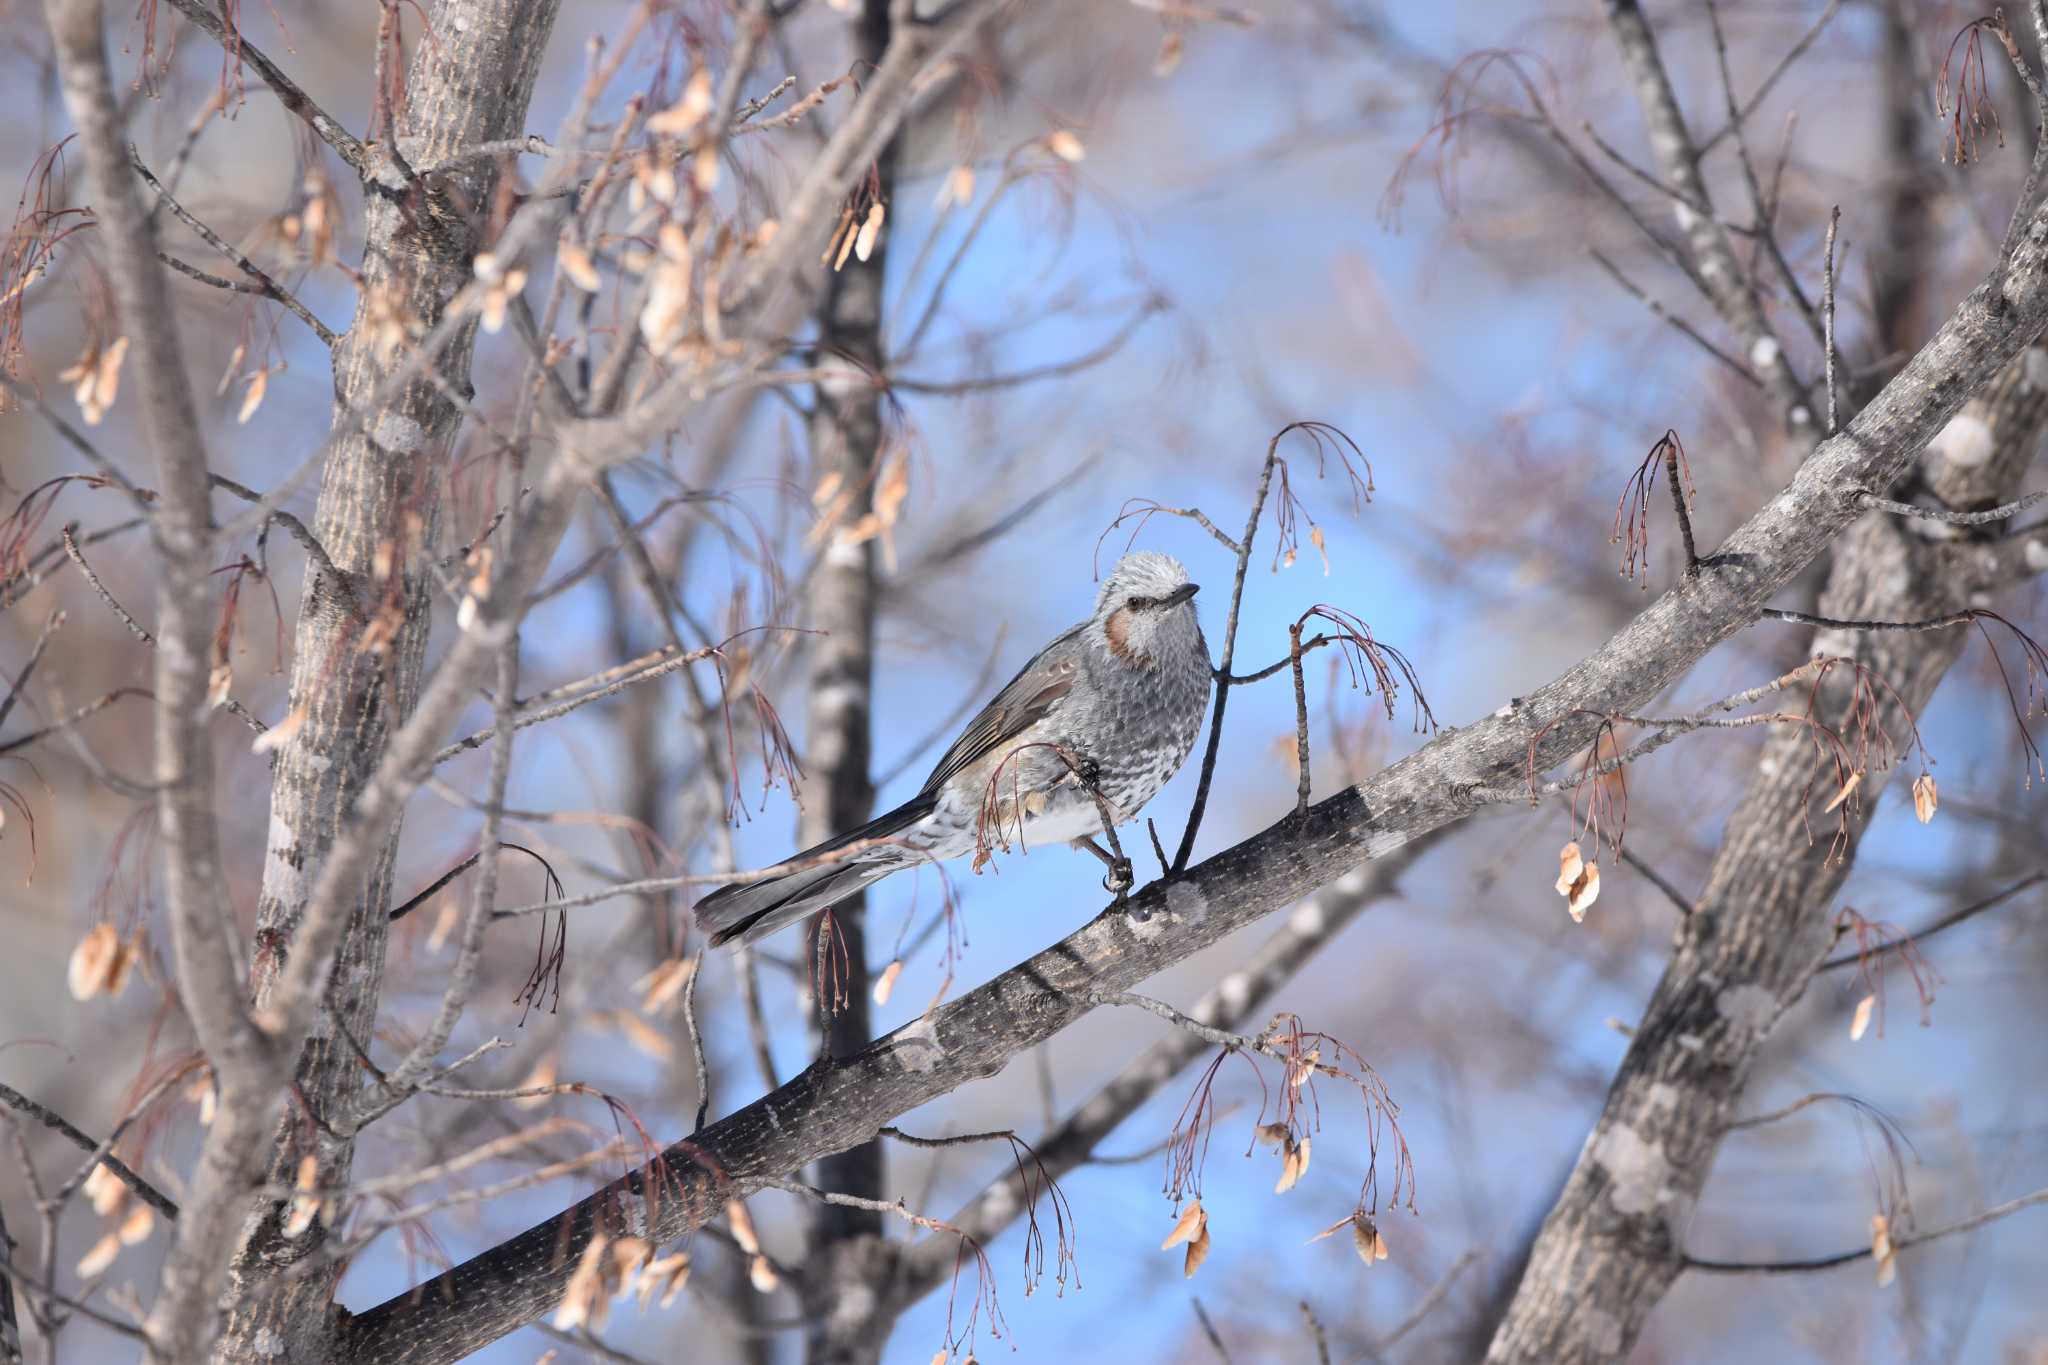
(755, 909)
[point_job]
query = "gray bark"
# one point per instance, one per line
(10, 1325)
(205, 945)
(846, 434)
(839, 1104)
(377, 514)
(1611, 1245)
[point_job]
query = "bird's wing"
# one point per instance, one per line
(1025, 699)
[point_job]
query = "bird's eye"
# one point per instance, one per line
(1134, 603)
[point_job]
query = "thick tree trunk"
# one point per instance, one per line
(1611, 1246)
(359, 645)
(846, 1249)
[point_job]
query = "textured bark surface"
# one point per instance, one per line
(205, 944)
(837, 1105)
(10, 1325)
(1612, 1244)
(846, 444)
(377, 513)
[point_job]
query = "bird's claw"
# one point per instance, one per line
(1119, 879)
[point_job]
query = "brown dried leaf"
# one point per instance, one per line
(1584, 892)
(137, 1226)
(704, 168)
(1848, 790)
(304, 1205)
(742, 1226)
(956, 188)
(762, 1275)
(280, 734)
(644, 1036)
(832, 247)
(258, 384)
(100, 1257)
(687, 112)
(1924, 797)
(846, 242)
(1366, 1239)
(870, 230)
(1198, 1252)
(885, 984)
(1189, 1226)
(584, 1300)
(92, 962)
(666, 1276)
(1570, 862)
(105, 1190)
(117, 971)
(1293, 1161)
(543, 1074)
(629, 1254)
(577, 264)
(498, 297)
(662, 987)
(227, 376)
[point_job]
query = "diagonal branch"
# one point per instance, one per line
(840, 1104)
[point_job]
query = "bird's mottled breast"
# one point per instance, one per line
(1145, 721)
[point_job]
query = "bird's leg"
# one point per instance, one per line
(1120, 878)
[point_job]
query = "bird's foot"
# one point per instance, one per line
(1119, 879)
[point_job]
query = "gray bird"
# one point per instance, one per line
(1116, 701)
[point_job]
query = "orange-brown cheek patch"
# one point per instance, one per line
(1118, 630)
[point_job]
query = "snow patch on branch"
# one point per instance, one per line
(1748, 1009)
(1638, 1173)
(1965, 441)
(916, 1045)
(1185, 903)
(1603, 1331)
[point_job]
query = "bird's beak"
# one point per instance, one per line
(1185, 592)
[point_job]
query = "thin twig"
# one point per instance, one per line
(270, 288)
(298, 531)
(1763, 91)
(1684, 328)
(1427, 1303)
(1950, 920)
(1316, 1333)
(148, 1193)
(1942, 514)
(51, 624)
(1863, 1253)
(294, 99)
(134, 626)
(1800, 618)
(1244, 559)
(1827, 303)
(527, 717)
(1215, 1337)
(76, 439)
(1657, 879)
